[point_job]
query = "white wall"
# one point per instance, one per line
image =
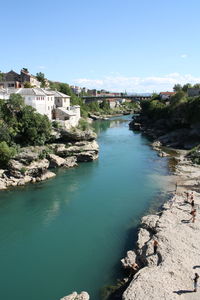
(41, 104)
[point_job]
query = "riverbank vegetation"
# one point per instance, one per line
(180, 111)
(20, 125)
(174, 122)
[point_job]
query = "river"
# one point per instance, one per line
(70, 232)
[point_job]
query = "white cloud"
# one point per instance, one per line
(184, 55)
(41, 67)
(137, 84)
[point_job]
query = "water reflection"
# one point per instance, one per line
(114, 122)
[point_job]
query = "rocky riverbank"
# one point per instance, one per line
(168, 273)
(34, 164)
(183, 137)
(75, 296)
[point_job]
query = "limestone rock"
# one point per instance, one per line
(129, 259)
(75, 296)
(37, 168)
(56, 161)
(2, 184)
(149, 222)
(45, 176)
(84, 150)
(2, 171)
(71, 162)
(87, 156)
(78, 135)
(169, 272)
(24, 180)
(29, 154)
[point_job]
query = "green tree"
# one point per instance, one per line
(41, 77)
(105, 105)
(27, 84)
(1, 76)
(6, 153)
(196, 86)
(178, 97)
(35, 129)
(186, 87)
(177, 87)
(155, 96)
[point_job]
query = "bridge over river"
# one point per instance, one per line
(138, 97)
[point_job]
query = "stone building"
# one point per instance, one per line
(53, 104)
(15, 80)
(193, 92)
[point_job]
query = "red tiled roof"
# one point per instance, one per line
(167, 93)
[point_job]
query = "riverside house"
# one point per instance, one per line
(15, 80)
(166, 95)
(53, 104)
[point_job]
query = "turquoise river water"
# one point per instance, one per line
(69, 233)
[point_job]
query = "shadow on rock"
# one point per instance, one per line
(159, 258)
(180, 292)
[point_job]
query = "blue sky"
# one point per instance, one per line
(133, 45)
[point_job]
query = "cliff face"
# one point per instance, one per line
(168, 273)
(33, 164)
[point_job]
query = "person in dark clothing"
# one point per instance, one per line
(195, 281)
(155, 246)
(192, 204)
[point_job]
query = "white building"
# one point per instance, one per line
(54, 104)
(166, 95)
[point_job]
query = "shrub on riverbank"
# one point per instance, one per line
(182, 111)
(6, 153)
(20, 125)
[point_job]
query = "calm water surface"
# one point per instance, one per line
(70, 232)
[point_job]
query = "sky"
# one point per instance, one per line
(129, 45)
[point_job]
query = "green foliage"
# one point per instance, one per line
(93, 106)
(55, 124)
(1, 76)
(194, 155)
(105, 105)
(23, 170)
(35, 129)
(131, 105)
(44, 153)
(177, 87)
(178, 98)
(155, 96)
(41, 77)
(83, 124)
(196, 86)
(6, 153)
(21, 124)
(27, 85)
(182, 112)
(186, 87)
(154, 109)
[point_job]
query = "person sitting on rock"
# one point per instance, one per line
(155, 246)
(134, 269)
(193, 213)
